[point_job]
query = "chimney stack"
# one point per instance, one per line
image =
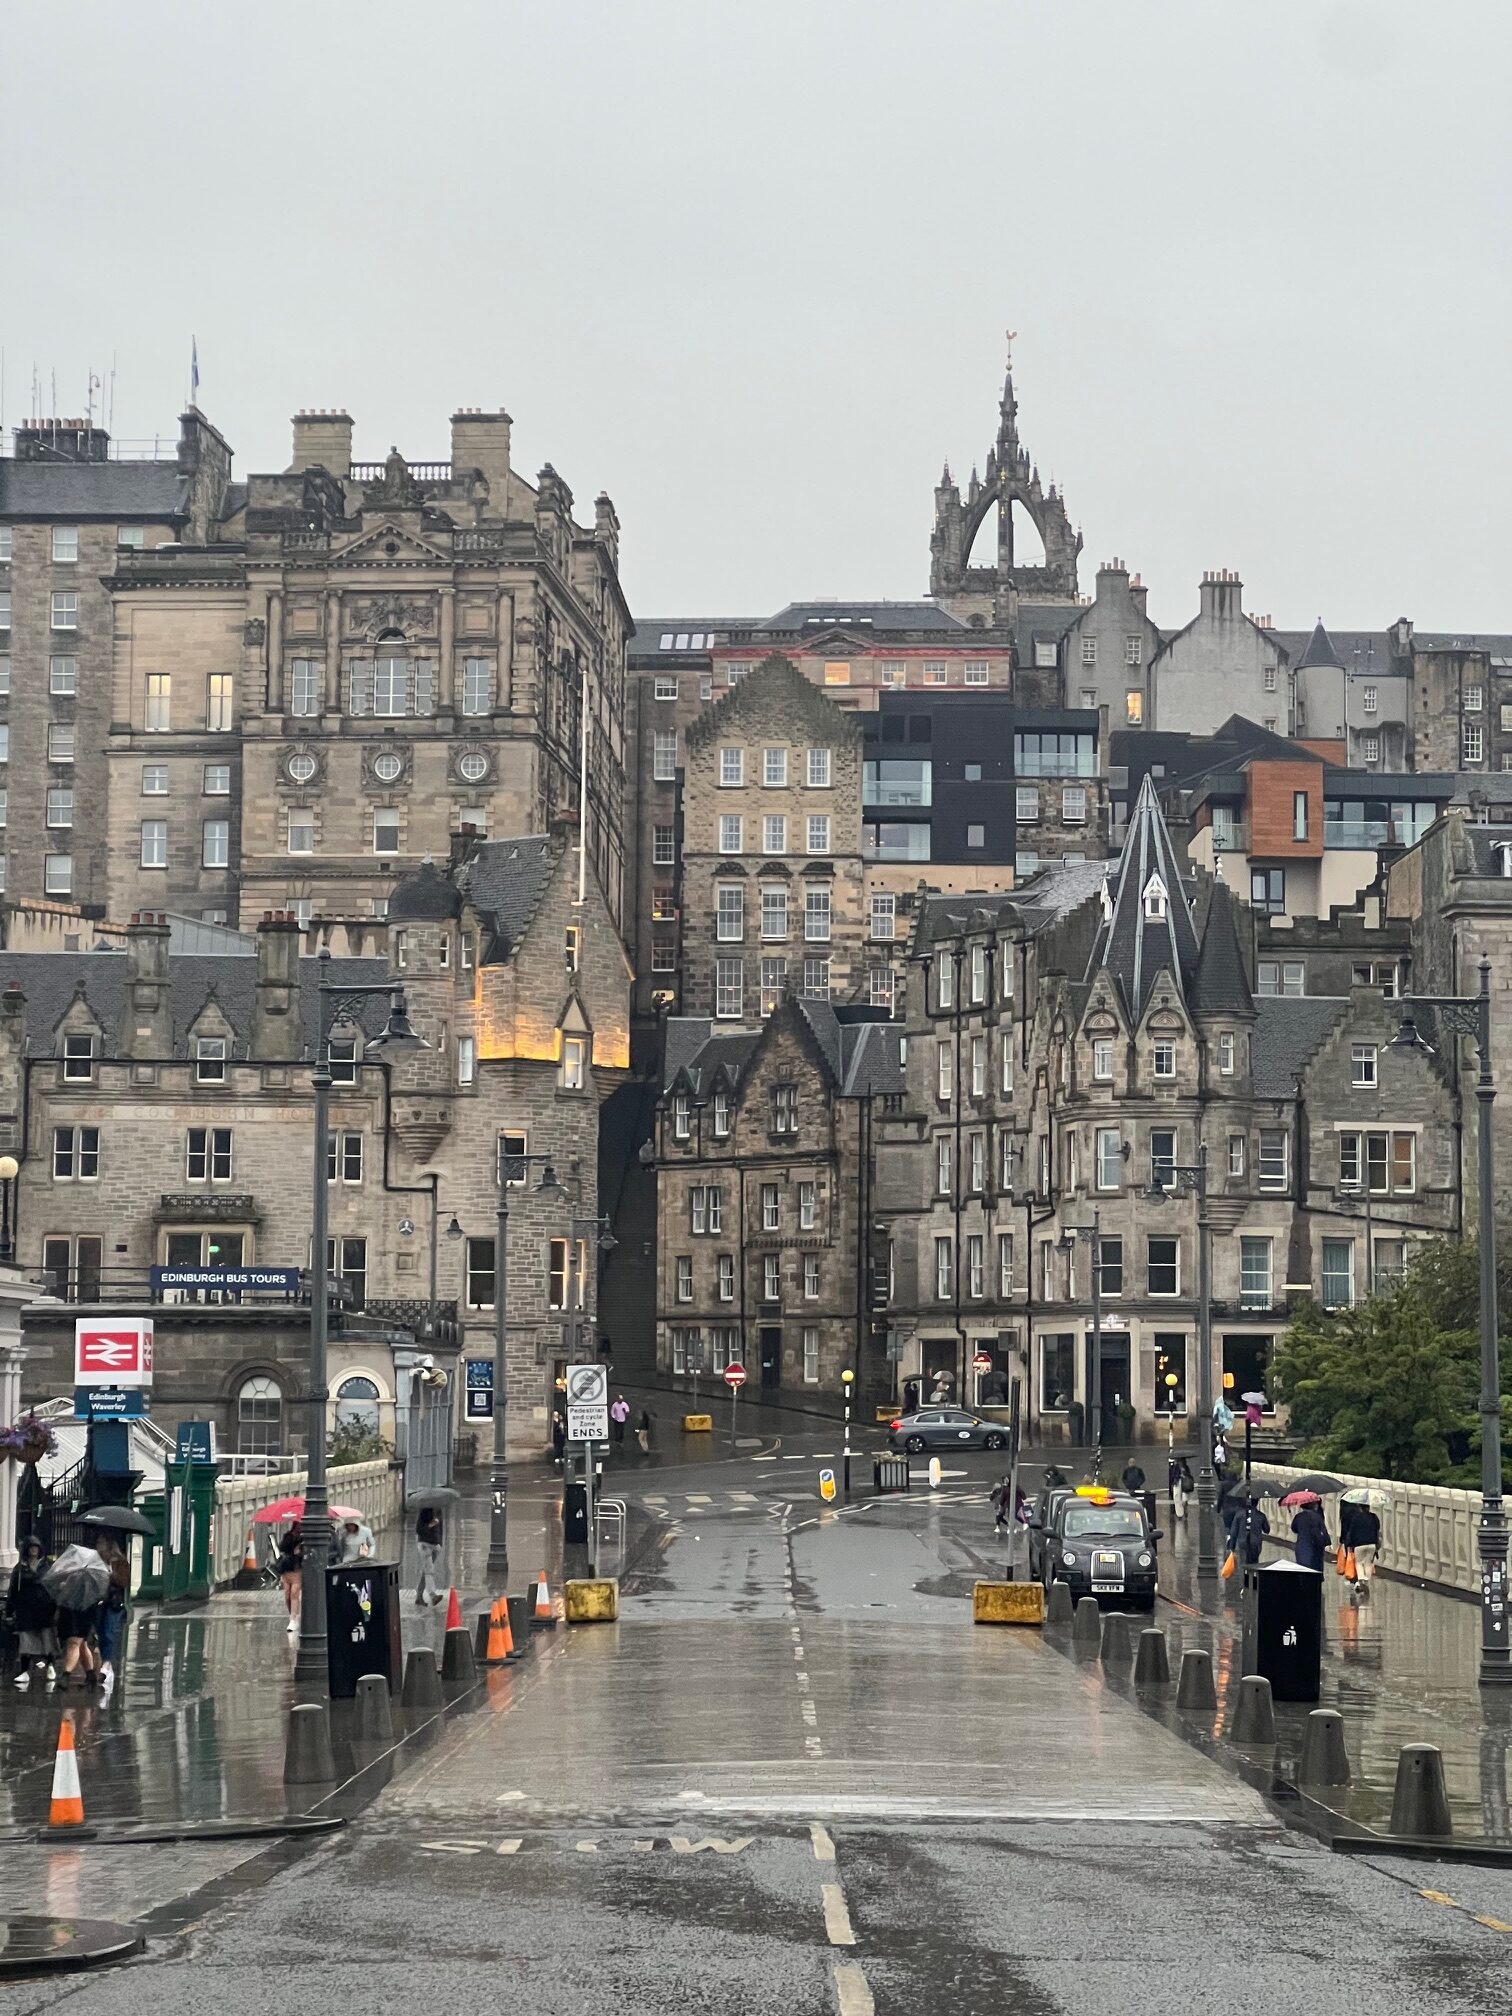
(277, 1035)
(322, 441)
(148, 1014)
(1222, 595)
(480, 441)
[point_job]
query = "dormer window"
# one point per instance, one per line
(78, 1059)
(210, 1060)
(574, 1063)
(1156, 901)
(721, 1115)
(681, 1117)
(1504, 858)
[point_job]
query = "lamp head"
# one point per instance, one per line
(397, 1034)
(454, 1230)
(1155, 1193)
(10, 1168)
(548, 1186)
(1407, 1036)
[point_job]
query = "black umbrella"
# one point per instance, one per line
(117, 1519)
(442, 1494)
(1283, 1487)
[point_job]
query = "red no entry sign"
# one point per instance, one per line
(735, 1375)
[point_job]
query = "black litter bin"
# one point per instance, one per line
(575, 1512)
(890, 1473)
(362, 1625)
(1283, 1629)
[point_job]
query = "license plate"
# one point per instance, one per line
(1107, 1588)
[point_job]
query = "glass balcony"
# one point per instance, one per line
(895, 840)
(899, 781)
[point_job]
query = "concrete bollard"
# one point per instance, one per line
(1420, 1805)
(1086, 1626)
(1194, 1688)
(1117, 1648)
(1059, 1609)
(1255, 1715)
(1152, 1662)
(422, 1683)
(1325, 1761)
(457, 1667)
(375, 1720)
(307, 1753)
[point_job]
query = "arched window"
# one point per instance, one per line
(259, 1418)
(357, 1404)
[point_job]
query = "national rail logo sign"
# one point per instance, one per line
(113, 1353)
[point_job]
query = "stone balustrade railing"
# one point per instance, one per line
(376, 1490)
(1427, 1531)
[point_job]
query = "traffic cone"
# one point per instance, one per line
(543, 1618)
(249, 1563)
(498, 1636)
(453, 1611)
(67, 1808)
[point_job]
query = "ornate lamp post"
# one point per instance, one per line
(1470, 1015)
(1190, 1180)
(1068, 1241)
(336, 1003)
(497, 1565)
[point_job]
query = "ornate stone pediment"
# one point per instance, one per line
(370, 615)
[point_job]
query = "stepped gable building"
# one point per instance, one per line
(159, 1104)
(75, 508)
(777, 1152)
(772, 888)
(1065, 1062)
(990, 595)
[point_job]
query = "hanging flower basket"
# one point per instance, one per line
(27, 1441)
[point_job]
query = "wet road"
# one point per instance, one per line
(795, 1778)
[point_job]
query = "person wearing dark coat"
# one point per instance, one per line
(1312, 1537)
(1133, 1478)
(1360, 1532)
(1248, 1527)
(1182, 1484)
(29, 1611)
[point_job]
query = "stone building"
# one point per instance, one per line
(1462, 715)
(1127, 1042)
(75, 508)
(318, 686)
(160, 1108)
(776, 1155)
(772, 885)
(1106, 652)
(1223, 662)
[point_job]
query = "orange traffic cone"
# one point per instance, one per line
(249, 1563)
(544, 1618)
(498, 1635)
(453, 1611)
(67, 1809)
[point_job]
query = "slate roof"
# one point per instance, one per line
(92, 489)
(49, 981)
(1487, 844)
(1319, 651)
(695, 1045)
(873, 1058)
(862, 1056)
(1222, 985)
(645, 638)
(1132, 946)
(797, 616)
(503, 880)
(1287, 1031)
(1053, 892)
(428, 894)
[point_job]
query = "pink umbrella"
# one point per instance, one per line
(293, 1508)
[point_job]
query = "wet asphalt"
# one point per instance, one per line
(794, 1777)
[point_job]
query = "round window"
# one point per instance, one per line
(302, 768)
(473, 766)
(387, 768)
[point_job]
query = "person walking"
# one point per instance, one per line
(910, 1396)
(643, 1432)
(1247, 1531)
(619, 1414)
(354, 1542)
(30, 1611)
(1001, 1499)
(111, 1618)
(430, 1537)
(1183, 1486)
(1133, 1478)
(558, 1436)
(1312, 1537)
(288, 1566)
(1360, 1533)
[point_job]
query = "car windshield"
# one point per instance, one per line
(1114, 1521)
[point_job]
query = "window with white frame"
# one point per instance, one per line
(1475, 699)
(1163, 1156)
(1275, 1158)
(344, 1156)
(385, 830)
(79, 1059)
(729, 989)
(771, 1278)
(1338, 1273)
(816, 979)
(1133, 649)
(879, 986)
(681, 1117)
(663, 846)
(1226, 1053)
(1110, 1267)
(976, 1146)
(774, 833)
(685, 1277)
(976, 1266)
(944, 1166)
(219, 703)
(1473, 741)
(1164, 1059)
(1005, 1061)
(1005, 1263)
(1026, 803)
(467, 1059)
(57, 874)
(153, 852)
(1371, 699)
(774, 767)
(1102, 1059)
(1370, 748)
(729, 923)
(1109, 1158)
(301, 830)
(210, 1058)
(1074, 804)
(819, 833)
(944, 1270)
(731, 830)
(65, 544)
(664, 755)
(1236, 1154)
(979, 1067)
(774, 910)
(725, 1285)
(61, 741)
(574, 1070)
(944, 966)
(207, 1155)
(665, 689)
(1362, 1065)
(974, 672)
(157, 715)
(60, 805)
(808, 1206)
(773, 982)
(978, 973)
(936, 672)
(816, 913)
(1254, 1272)
(944, 1071)
(76, 1154)
(818, 769)
(810, 1356)
(884, 915)
(65, 609)
(811, 1277)
(731, 767)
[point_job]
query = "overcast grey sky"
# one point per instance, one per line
(749, 268)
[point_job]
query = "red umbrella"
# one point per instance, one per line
(1301, 1498)
(293, 1508)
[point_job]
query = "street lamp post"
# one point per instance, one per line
(847, 1380)
(1470, 1015)
(1093, 1234)
(10, 1169)
(335, 1003)
(1190, 1180)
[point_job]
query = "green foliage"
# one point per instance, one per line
(1391, 1388)
(353, 1442)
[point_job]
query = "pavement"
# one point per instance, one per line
(793, 1777)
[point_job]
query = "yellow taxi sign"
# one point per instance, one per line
(826, 1485)
(1098, 1494)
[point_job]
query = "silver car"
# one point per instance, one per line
(945, 1428)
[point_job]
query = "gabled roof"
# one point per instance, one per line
(776, 680)
(504, 880)
(1288, 1029)
(1146, 935)
(873, 1058)
(1320, 651)
(1221, 986)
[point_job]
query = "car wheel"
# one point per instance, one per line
(995, 1442)
(914, 1444)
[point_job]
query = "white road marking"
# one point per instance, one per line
(510, 1847)
(587, 1847)
(763, 1459)
(824, 1846)
(454, 1847)
(853, 1996)
(797, 1459)
(837, 1923)
(505, 1797)
(698, 1498)
(743, 1498)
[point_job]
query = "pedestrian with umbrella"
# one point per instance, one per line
(1360, 1531)
(77, 1582)
(111, 1523)
(1309, 1527)
(288, 1566)
(30, 1612)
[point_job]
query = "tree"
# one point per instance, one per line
(1391, 1388)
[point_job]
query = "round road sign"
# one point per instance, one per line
(734, 1375)
(981, 1362)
